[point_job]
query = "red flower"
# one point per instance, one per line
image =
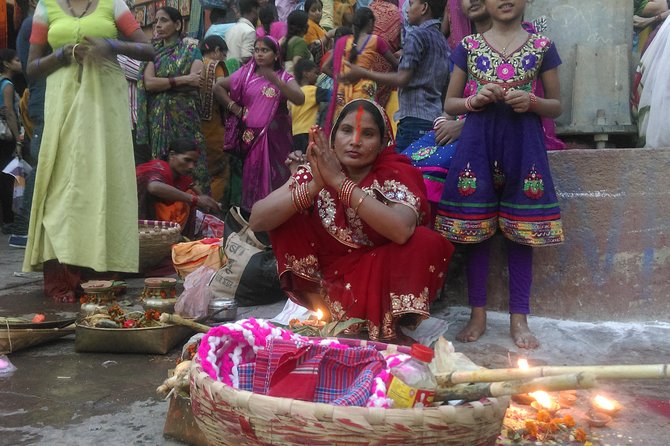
(130, 323)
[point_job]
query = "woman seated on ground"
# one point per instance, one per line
(349, 228)
(166, 192)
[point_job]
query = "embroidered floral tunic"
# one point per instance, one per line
(500, 175)
(331, 250)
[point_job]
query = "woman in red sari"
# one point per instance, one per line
(349, 228)
(165, 189)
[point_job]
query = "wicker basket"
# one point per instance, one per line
(156, 240)
(228, 416)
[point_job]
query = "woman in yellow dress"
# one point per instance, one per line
(84, 213)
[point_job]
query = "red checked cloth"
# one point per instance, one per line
(334, 374)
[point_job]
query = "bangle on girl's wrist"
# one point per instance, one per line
(194, 200)
(533, 101)
(172, 81)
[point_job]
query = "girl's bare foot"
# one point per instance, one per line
(476, 326)
(521, 334)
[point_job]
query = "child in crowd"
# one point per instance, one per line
(270, 24)
(305, 116)
(499, 176)
(294, 46)
(422, 74)
(318, 39)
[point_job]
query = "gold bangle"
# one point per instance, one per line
(360, 202)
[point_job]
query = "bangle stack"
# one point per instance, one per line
(194, 200)
(533, 101)
(360, 202)
(300, 198)
(439, 120)
(346, 189)
(468, 104)
(172, 81)
(60, 55)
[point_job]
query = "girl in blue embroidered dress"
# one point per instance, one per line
(500, 175)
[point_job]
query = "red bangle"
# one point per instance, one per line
(173, 83)
(194, 200)
(533, 101)
(468, 104)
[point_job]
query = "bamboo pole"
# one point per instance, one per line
(650, 371)
(474, 392)
(168, 318)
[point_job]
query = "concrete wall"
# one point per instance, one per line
(615, 263)
(594, 40)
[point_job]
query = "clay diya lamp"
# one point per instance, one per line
(316, 320)
(605, 405)
(523, 398)
(598, 419)
(544, 402)
(567, 398)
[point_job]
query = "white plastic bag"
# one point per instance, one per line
(194, 300)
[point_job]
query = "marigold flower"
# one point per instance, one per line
(531, 427)
(569, 421)
(543, 416)
(580, 435)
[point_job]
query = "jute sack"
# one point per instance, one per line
(250, 273)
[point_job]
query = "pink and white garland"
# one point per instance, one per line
(378, 393)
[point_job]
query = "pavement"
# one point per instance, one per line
(58, 396)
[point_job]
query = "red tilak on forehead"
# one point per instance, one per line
(359, 116)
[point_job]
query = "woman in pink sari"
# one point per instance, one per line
(257, 94)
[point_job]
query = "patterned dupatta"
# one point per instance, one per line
(207, 88)
(171, 60)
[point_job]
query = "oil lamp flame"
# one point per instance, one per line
(319, 314)
(523, 363)
(543, 398)
(602, 402)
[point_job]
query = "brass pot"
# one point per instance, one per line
(98, 295)
(159, 304)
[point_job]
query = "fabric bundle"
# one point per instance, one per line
(256, 356)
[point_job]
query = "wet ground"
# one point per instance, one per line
(57, 396)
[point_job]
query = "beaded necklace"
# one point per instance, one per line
(69, 6)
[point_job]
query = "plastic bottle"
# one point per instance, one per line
(412, 384)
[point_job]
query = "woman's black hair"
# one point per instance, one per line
(270, 43)
(213, 42)
(174, 15)
(183, 145)
(368, 107)
(297, 26)
(342, 31)
(301, 67)
(363, 18)
(310, 3)
(6, 55)
(267, 14)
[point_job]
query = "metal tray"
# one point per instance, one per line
(60, 323)
(16, 339)
(152, 340)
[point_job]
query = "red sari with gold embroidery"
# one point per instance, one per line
(331, 250)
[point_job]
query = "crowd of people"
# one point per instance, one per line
(366, 137)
